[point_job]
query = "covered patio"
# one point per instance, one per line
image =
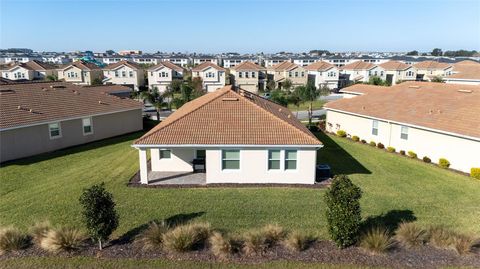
(176, 178)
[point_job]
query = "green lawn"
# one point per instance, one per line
(318, 104)
(48, 187)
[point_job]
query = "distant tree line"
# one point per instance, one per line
(448, 53)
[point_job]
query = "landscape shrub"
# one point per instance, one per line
(273, 234)
(296, 241)
(373, 144)
(475, 173)
(40, 230)
(412, 154)
(254, 242)
(377, 240)
(391, 149)
(380, 146)
(220, 246)
(152, 237)
(363, 141)
(440, 237)
(343, 211)
(402, 152)
(409, 234)
(426, 159)
(62, 239)
(12, 239)
(186, 237)
(443, 163)
(99, 214)
(341, 133)
(355, 138)
(463, 244)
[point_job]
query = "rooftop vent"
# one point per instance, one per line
(230, 99)
(414, 87)
(57, 86)
(6, 91)
(102, 103)
(465, 91)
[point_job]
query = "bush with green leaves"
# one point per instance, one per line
(343, 211)
(380, 146)
(475, 172)
(443, 163)
(341, 133)
(373, 144)
(355, 138)
(391, 149)
(412, 154)
(402, 152)
(12, 239)
(99, 214)
(363, 141)
(426, 159)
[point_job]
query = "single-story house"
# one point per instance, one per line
(465, 72)
(239, 137)
(47, 116)
(436, 120)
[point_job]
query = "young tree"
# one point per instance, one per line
(309, 93)
(437, 79)
(271, 85)
(437, 52)
(287, 85)
(374, 80)
(196, 83)
(99, 213)
(343, 211)
(97, 81)
(51, 78)
(278, 96)
(294, 98)
(412, 53)
(154, 97)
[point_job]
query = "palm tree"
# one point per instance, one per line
(154, 97)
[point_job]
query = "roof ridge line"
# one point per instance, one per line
(183, 116)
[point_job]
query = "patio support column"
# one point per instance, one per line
(143, 166)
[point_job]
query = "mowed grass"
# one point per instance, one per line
(317, 104)
(395, 187)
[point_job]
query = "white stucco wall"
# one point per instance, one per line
(461, 152)
(180, 160)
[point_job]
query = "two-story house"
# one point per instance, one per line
(124, 73)
(198, 60)
(397, 71)
(162, 74)
(31, 70)
(286, 70)
(323, 74)
(427, 70)
(248, 76)
(361, 71)
(212, 75)
(82, 73)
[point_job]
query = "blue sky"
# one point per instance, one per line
(242, 26)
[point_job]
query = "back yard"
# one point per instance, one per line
(395, 187)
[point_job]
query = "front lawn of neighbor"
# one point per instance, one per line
(318, 104)
(395, 187)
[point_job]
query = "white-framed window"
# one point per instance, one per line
(165, 154)
(116, 74)
(290, 74)
(404, 132)
(296, 74)
(274, 159)
(230, 159)
(200, 154)
(6, 75)
(375, 127)
(124, 74)
(54, 130)
(253, 75)
(240, 74)
(290, 159)
(246, 74)
(87, 126)
(130, 73)
(303, 74)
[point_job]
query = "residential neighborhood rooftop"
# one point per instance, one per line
(167, 64)
(123, 62)
(319, 66)
(432, 65)
(466, 70)
(206, 65)
(247, 65)
(358, 65)
(450, 108)
(394, 65)
(82, 65)
(33, 103)
(286, 65)
(230, 116)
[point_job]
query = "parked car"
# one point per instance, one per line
(266, 95)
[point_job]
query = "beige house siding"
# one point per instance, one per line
(18, 73)
(126, 76)
(461, 152)
(155, 78)
(213, 83)
(77, 76)
(250, 83)
(27, 141)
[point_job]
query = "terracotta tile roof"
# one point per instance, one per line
(284, 66)
(247, 65)
(32, 103)
(120, 63)
(108, 88)
(166, 64)
(360, 89)
(468, 70)
(230, 117)
(432, 65)
(319, 66)
(451, 108)
(82, 65)
(395, 65)
(206, 65)
(358, 65)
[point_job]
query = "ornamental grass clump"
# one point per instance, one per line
(152, 237)
(440, 237)
(355, 138)
(186, 237)
(296, 241)
(475, 173)
(273, 234)
(391, 149)
(377, 240)
(223, 246)
(341, 133)
(426, 159)
(410, 235)
(40, 230)
(255, 243)
(443, 163)
(12, 239)
(412, 154)
(62, 239)
(372, 143)
(464, 244)
(343, 211)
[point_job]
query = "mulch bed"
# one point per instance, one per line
(318, 252)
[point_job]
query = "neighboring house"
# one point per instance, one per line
(234, 61)
(298, 75)
(181, 60)
(248, 76)
(436, 120)
(81, 73)
(338, 61)
(198, 60)
(124, 73)
(397, 71)
(145, 60)
(240, 137)
(21, 59)
(465, 72)
(212, 75)
(360, 89)
(44, 116)
(55, 59)
(427, 70)
(31, 70)
(304, 61)
(271, 61)
(113, 59)
(361, 71)
(162, 74)
(323, 74)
